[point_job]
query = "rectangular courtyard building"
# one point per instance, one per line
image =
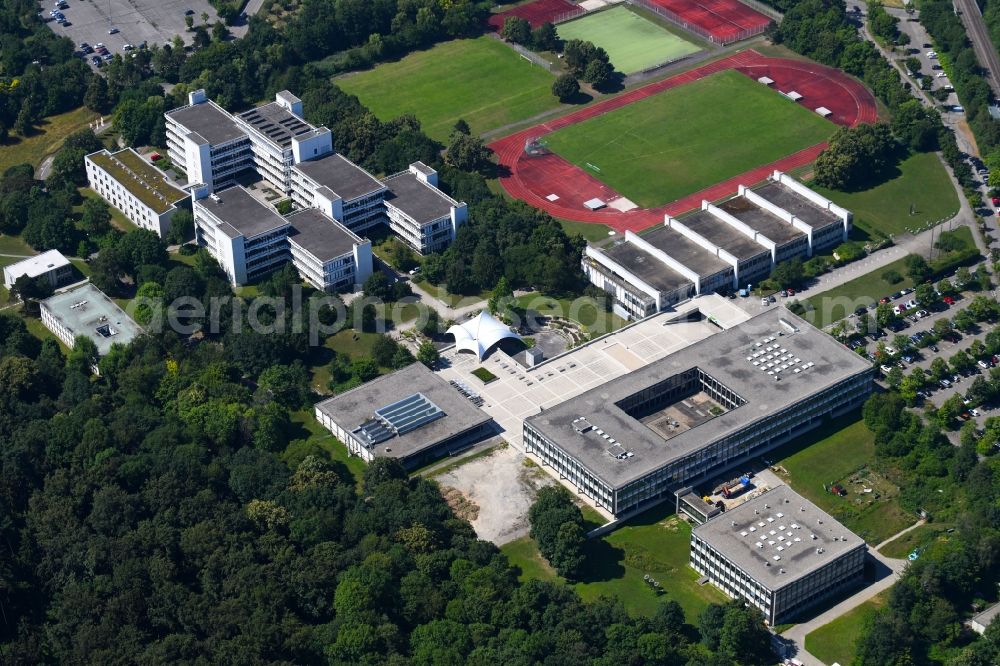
(51, 265)
(86, 311)
(637, 439)
(779, 552)
(410, 414)
(136, 188)
(326, 253)
(419, 213)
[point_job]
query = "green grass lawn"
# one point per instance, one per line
(590, 232)
(452, 300)
(885, 209)
(834, 453)
(655, 543)
(632, 42)
(918, 538)
(835, 304)
(47, 138)
(349, 341)
(311, 438)
(835, 642)
(481, 80)
(14, 245)
(690, 137)
(118, 220)
(581, 310)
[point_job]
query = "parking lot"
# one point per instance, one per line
(923, 357)
(137, 21)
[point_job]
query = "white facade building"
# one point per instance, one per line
(205, 141)
(51, 265)
(419, 213)
(136, 188)
(341, 190)
(327, 254)
(248, 238)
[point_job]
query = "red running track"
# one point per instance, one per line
(535, 13)
(533, 179)
(725, 20)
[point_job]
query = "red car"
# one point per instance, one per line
(155, 156)
(791, 292)
(949, 300)
(884, 299)
(996, 201)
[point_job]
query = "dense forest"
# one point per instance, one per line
(154, 515)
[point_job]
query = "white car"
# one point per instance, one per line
(765, 301)
(974, 412)
(941, 75)
(911, 304)
(983, 364)
(932, 55)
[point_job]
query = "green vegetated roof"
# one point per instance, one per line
(143, 180)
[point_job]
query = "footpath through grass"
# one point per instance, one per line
(920, 537)
(632, 42)
(685, 139)
(47, 138)
(843, 452)
(922, 185)
(835, 642)
(655, 543)
(481, 80)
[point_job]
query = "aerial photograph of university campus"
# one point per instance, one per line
(526, 333)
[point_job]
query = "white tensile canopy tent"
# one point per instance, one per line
(480, 333)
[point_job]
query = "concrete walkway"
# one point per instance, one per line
(888, 570)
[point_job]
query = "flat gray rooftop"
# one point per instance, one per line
(277, 123)
(778, 524)
(645, 266)
(246, 215)
(761, 220)
(98, 318)
(211, 122)
(987, 617)
(805, 210)
(689, 253)
(423, 202)
(718, 232)
(345, 178)
(358, 405)
(320, 236)
(722, 356)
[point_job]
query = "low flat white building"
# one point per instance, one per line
(779, 552)
(51, 265)
(327, 254)
(247, 237)
(86, 311)
(419, 213)
(135, 187)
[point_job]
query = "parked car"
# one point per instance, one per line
(932, 55)
(982, 364)
(96, 60)
(112, 31)
(940, 75)
(883, 300)
(944, 383)
(911, 304)
(933, 348)
(974, 412)
(922, 313)
(908, 359)
(948, 300)
(885, 369)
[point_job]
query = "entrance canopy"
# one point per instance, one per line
(480, 334)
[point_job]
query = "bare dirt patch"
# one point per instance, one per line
(501, 486)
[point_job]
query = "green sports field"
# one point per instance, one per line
(632, 42)
(481, 80)
(685, 139)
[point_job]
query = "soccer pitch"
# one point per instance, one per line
(481, 80)
(632, 42)
(687, 138)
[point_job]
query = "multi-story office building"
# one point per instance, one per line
(136, 188)
(327, 254)
(779, 552)
(247, 237)
(86, 311)
(419, 213)
(50, 265)
(280, 138)
(205, 141)
(635, 440)
(341, 189)
(719, 247)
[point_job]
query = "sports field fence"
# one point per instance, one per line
(676, 19)
(568, 15)
(765, 9)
